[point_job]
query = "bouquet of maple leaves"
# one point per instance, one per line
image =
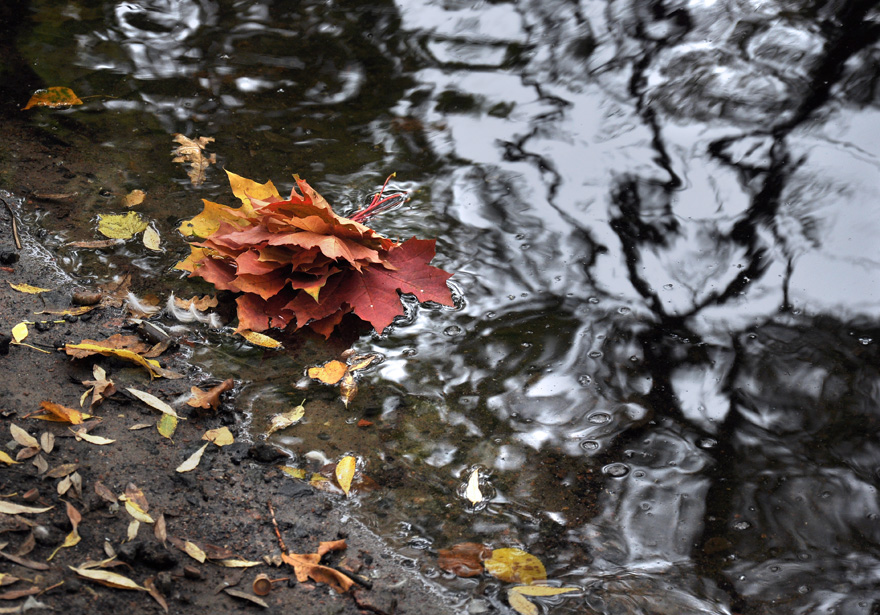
(296, 262)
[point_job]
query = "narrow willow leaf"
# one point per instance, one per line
(10, 508)
(107, 578)
(193, 461)
(23, 437)
(137, 512)
(521, 604)
(543, 590)
(153, 402)
(27, 288)
(259, 339)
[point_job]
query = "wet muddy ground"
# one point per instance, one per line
(223, 502)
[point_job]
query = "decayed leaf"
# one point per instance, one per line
(7, 579)
(41, 464)
(102, 387)
(159, 529)
(150, 586)
(193, 461)
(47, 442)
(200, 303)
(27, 288)
(515, 566)
(329, 373)
(105, 577)
(151, 239)
(153, 402)
(10, 508)
(104, 492)
(473, 493)
(62, 414)
(22, 437)
(26, 453)
(347, 388)
(53, 97)
(73, 537)
(82, 434)
(246, 596)
(345, 472)
(210, 398)
(192, 152)
(19, 332)
(63, 470)
(135, 197)
(220, 436)
(85, 349)
(464, 559)
(167, 425)
(285, 419)
(259, 339)
(121, 226)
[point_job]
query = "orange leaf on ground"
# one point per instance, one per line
(307, 566)
(63, 414)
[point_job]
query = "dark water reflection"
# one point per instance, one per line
(663, 219)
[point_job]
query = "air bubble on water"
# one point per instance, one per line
(742, 525)
(596, 354)
(707, 443)
(616, 470)
(623, 310)
(599, 418)
(584, 380)
(453, 330)
(639, 474)
(668, 286)
(593, 300)
(590, 445)
(865, 340)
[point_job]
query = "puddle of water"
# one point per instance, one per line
(663, 228)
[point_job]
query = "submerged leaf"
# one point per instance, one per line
(515, 566)
(54, 97)
(285, 419)
(259, 339)
(121, 226)
(135, 197)
(192, 152)
(464, 559)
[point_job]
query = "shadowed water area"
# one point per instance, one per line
(662, 218)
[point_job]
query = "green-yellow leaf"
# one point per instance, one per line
(543, 590)
(473, 493)
(515, 566)
(19, 332)
(53, 97)
(345, 472)
(27, 288)
(193, 461)
(285, 419)
(121, 226)
(152, 239)
(259, 339)
(167, 425)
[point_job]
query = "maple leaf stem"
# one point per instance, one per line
(376, 205)
(277, 531)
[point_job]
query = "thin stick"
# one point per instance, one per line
(277, 531)
(14, 224)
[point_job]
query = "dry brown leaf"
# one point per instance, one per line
(307, 566)
(102, 387)
(41, 464)
(15, 594)
(159, 529)
(26, 453)
(96, 244)
(192, 152)
(246, 596)
(348, 388)
(61, 471)
(150, 584)
(210, 398)
(25, 562)
(23, 437)
(47, 442)
(104, 492)
(200, 303)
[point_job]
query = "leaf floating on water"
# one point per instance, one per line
(345, 472)
(105, 577)
(348, 388)
(286, 419)
(54, 97)
(135, 197)
(192, 152)
(521, 604)
(153, 401)
(193, 461)
(151, 239)
(329, 373)
(259, 339)
(220, 436)
(27, 288)
(19, 332)
(543, 590)
(210, 398)
(121, 226)
(515, 566)
(473, 493)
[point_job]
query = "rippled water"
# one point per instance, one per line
(662, 218)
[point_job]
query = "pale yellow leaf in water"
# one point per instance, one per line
(27, 288)
(237, 563)
(137, 512)
(194, 552)
(515, 566)
(345, 472)
(152, 239)
(133, 528)
(23, 437)
(521, 604)
(294, 472)
(285, 419)
(473, 493)
(107, 578)
(121, 226)
(167, 425)
(10, 508)
(135, 197)
(259, 339)
(543, 590)
(193, 461)
(220, 436)
(81, 434)
(5, 458)
(19, 332)
(153, 402)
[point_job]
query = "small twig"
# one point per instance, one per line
(357, 578)
(277, 531)
(14, 224)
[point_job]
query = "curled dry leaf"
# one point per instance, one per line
(150, 585)
(348, 388)
(104, 492)
(159, 529)
(47, 442)
(192, 152)
(61, 471)
(138, 513)
(210, 398)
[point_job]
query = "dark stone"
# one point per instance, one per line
(295, 489)
(8, 258)
(266, 453)
(150, 554)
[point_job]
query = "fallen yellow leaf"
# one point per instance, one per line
(193, 461)
(167, 425)
(521, 604)
(27, 288)
(194, 551)
(543, 590)
(515, 566)
(285, 419)
(105, 577)
(153, 402)
(135, 510)
(152, 366)
(220, 436)
(135, 197)
(57, 96)
(121, 226)
(5, 458)
(348, 388)
(10, 508)
(259, 339)
(82, 434)
(345, 472)
(19, 332)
